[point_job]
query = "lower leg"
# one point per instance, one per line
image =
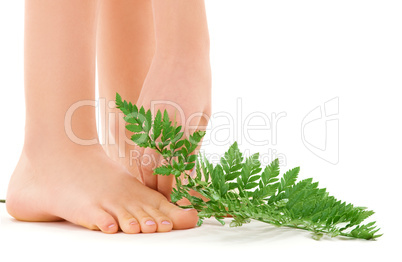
(125, 48)
(58, 177)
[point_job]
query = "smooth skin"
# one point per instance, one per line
(61, 178)
(171, 64)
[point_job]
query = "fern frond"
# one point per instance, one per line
(240, 187)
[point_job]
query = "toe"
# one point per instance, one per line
(128, 223)
(147, 223)
(181, 218)
(105, 222)
(164, 223)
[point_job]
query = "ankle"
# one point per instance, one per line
(46, 149)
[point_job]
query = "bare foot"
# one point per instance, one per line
(82, 185)
(181, 87)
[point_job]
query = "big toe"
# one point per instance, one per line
(105, 222)
(181, 218)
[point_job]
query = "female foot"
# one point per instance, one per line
(83, 186)
(184, 90)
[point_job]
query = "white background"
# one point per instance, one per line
(276, 56)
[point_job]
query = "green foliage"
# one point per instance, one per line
(161, 134)
(239, 187)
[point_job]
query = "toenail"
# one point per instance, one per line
(150, 223)
(165, 222)
(133, 223)
(188, 209)
(110, 226)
